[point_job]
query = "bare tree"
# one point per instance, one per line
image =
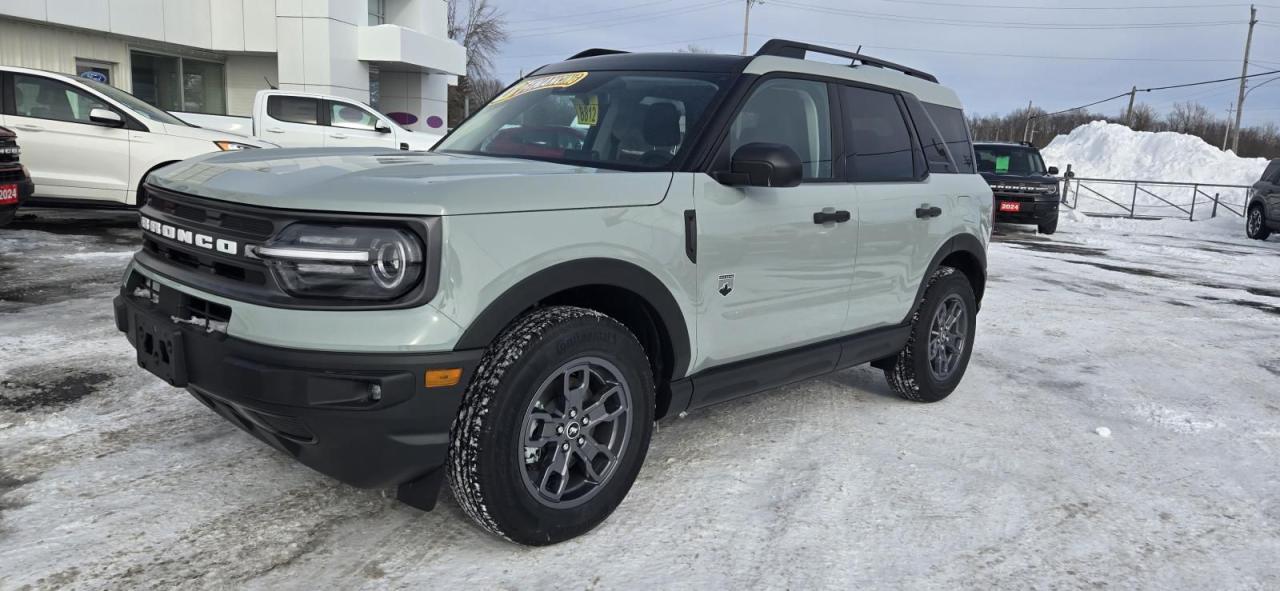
(1144, 118)
(481, 29)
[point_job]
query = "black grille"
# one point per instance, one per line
(12, 175)
(8, 157)
(209, 217)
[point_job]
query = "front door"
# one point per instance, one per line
(352, 125)
(69, 156)
(769, 277)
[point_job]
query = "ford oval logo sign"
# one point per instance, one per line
(405, 119)
(95, 76)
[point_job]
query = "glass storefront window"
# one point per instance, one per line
(377, 12)
(179, 84)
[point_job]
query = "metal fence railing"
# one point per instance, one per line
(1152, 199)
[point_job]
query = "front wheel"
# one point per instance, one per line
(930, 367)
(1255, 226)
(1048, 226)
(554, 426)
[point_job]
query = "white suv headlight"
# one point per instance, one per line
(230, 146)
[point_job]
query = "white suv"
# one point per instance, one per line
(87, 143)
(615, 239)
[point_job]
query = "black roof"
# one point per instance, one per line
(677, 62)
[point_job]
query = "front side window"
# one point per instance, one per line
(42, 98)
(879, 146)
(794, 113)
(1009, 160)
(294, 109)
(623, 120)
(350, 116)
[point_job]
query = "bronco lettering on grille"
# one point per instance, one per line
(186, 236)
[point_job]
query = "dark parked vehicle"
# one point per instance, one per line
(1025, 191)
(1263, 215)
(15, 183)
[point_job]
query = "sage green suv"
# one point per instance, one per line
(614, 239)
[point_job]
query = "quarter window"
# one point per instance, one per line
(879, 143)
(955, 131)
(42, 98)
(935, 148)
(294, 109)
(794, 113)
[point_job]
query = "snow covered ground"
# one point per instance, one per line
(1103, 150)
(1164, 336)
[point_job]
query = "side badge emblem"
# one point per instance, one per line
(726, 284)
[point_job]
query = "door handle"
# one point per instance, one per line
(29, 127)
(275, 130)
(827, 217)
(925, 212)
(338, 136)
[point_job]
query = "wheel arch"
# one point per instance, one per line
(622, 290)
(965, 253)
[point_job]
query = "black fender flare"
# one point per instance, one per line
(581, 273)
(966, 243)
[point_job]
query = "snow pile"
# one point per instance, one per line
(1109, 151)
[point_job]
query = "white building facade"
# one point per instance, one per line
(213, 56)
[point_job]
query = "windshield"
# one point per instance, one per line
(622, 120)
(134, 103)
(1009, 160)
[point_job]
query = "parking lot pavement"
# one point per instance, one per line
(1119, 426)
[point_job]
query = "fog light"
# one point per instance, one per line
(443, 378)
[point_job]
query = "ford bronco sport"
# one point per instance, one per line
(15, 183)
(1025, 191)
(515, 310)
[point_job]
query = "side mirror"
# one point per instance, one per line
(763, 165)
(106, 117)
(1053, 171)
(381, 127)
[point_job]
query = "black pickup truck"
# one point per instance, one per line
(1025, 191)
(15, 183)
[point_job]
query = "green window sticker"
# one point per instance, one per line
(1002, 164)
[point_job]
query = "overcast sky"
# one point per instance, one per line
(1166, 52)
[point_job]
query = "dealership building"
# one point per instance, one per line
(213, 56)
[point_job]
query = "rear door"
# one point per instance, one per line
(69, 156)
(905, 211)
(351, 124)
(294, 121)
(1270, 190)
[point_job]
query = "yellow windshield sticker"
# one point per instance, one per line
(541, 83)
(588, 111)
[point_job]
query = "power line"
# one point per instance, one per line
(998, 24)
(629, 47)
(1065, 8)
(1154, 88)
(582, 14)
(615, 21)
(1043, 57)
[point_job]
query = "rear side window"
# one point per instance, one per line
(294, 109)
(1272, 174)
(955, 131)
(935, 148)
(878, 142)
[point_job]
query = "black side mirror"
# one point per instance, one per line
(381, 127)
(763, 165)
(1053, 171)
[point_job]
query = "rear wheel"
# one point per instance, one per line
(554, 426)
(930, 367)
(1255, 225)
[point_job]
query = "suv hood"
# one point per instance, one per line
(1019, 178)
(377, 180)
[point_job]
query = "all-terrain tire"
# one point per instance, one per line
(486, 467)
(1256, 228)
(1049, 227)
(909, 373)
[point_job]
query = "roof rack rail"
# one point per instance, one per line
(595, 51)
(797, 50)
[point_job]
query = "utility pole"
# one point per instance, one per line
(1026, 132)
(1226, 135)
(1128, 115)
(746, 24)
(1244, 80)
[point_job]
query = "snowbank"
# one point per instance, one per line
(1110, 151)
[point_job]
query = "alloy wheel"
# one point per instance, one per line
(947, 336)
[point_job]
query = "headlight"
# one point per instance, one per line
(366, 263)
(230, 146)
(1051, 190)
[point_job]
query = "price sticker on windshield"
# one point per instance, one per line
(540, 83)
(588, 110)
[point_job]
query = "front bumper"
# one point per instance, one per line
(1031, 209)
(366, 419)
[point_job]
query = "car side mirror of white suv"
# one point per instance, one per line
(381, 127)
(763, 165)
(106, 117)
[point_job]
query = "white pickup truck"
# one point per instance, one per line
(306, 120)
